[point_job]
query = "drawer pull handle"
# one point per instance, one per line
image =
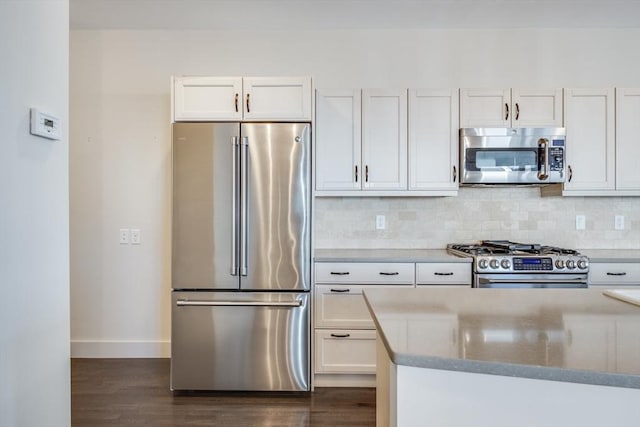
(623, 273)
(341, 335)
(443, 274)
(340, 290)
(340, 273)
(395, 273)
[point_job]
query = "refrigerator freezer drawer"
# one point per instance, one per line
(240, 341)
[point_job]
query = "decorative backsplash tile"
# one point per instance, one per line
(518, 214)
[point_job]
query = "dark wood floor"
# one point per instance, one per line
(128, 392)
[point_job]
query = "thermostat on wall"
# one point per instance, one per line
(45, 125)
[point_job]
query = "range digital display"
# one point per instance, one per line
(532, 263)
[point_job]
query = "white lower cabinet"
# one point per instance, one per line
(443, 274)
(614, 274)
(340, 351)
(344, 332)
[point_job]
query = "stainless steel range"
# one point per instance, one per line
(505, 264)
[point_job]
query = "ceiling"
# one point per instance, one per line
(351, 14)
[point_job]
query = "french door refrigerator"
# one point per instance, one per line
(241, 256)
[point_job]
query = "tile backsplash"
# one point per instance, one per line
(517, 214)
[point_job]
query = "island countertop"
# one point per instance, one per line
(570, 335)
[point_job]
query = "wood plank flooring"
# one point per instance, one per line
(134, 392)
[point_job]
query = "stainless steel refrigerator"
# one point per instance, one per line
(241, 256)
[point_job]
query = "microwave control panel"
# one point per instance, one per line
(556, 158)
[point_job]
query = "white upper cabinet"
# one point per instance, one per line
(511, 108)
(375, 142)
(433, 139)
(628, 140)
(338, 141)
(277, 98)
(238, 98)
(384, 139)
(589, 118)
(207, 98)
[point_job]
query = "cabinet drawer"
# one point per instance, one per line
(343, 306)
(365, 273)
(443, 273)
(619, 273)
(345, 352)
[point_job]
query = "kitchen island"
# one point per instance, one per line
(505, 357)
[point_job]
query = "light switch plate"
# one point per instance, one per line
(381, 222)
(581, 222)
(124, 236)
(135, 236)
(619, 222)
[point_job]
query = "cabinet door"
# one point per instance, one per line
(443, 273)
(338, 140)
(614, 274)
(207, 98)
(536, 108)
(384, 139)
(433, 140)
(485, 108)
(345, 351)
(627, 139)
(589, 121)
(582, 332)
(277, 98)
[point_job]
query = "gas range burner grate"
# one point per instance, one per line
(505, 247)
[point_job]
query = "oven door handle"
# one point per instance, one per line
(578, 281)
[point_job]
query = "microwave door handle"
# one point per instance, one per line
(543, 151)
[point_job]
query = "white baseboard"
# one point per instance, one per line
(120, 349)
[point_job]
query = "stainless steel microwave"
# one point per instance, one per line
(512, 156)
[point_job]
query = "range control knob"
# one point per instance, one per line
(583, 264)
(559, 263)
(494, 263)
(483, 263)
(571, 264)
(505, 263)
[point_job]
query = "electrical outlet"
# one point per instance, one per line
(124, 236)
(381, 222)
(135, 236)
(619, 222)
(581, 222)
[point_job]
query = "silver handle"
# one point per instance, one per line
(395, 273)
(366, 173)
(244, 197)
(234, 206)
(443, 274)
(341, 290)
(339, 273)
(543, 146)
(455, 173)
(356, 173)
(622, 273)
(188, 303)
(341, 335)
(540, 281)
(570, 173)
(506, 109)
(236, 100)
(517, 111)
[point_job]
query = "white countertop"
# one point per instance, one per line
(569, 335)
(386, 255)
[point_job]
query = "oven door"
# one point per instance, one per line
(551, 281)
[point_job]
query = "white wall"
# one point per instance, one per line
(120, 146)
(34, 223)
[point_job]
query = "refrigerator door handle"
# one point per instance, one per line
(244, 227)
(182, 302)
(234, 206)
